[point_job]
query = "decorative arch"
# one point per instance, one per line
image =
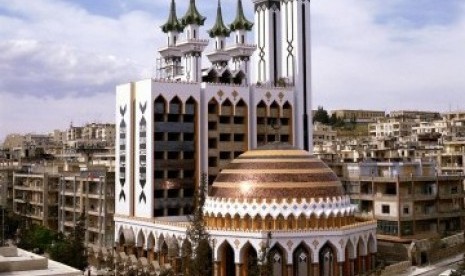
(327, 259)
(175, 106)
(190, 106)
(151, 241)
(225, 254)
(160, 105)
(249, 258)
(226, 77)
(226, 108)
(239, 77)
(140, 242)
(302, 260)
(213, 106)
(371, 244)
(278, 259)
(126, 237)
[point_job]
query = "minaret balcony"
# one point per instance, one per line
(218, 56)
(192, 45)
(170, 51)
(236, 50)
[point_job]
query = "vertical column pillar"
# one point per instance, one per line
(341, 269)
(216, 268)
(363, 270)
(290, 270)
(373, 261)
(316, 269)
(238, 270)
(352, 267)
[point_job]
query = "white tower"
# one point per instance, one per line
(296, 65)
(267, 38)
(282, 34)
(192, 47)
(171, 53)
(241, 51)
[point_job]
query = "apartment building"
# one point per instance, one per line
(35, 198)
(415, 114)
(359, 116)
(409, 200)
(96, 134)
(6, 184)
(90, 193)
(451, 159)
(391, 127)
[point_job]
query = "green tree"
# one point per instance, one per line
(71, 250)
(36, 238)
(200, 263)
(321, 115)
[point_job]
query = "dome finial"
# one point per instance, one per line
(219, 29)
(193, 16)
(240, 22)
(173, 23)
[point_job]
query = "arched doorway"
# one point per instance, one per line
(228, 267)
(302, 261)
(327, 258)
(349, 259)
(278, 260)
(249, 261)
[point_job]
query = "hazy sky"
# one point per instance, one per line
(60, 60)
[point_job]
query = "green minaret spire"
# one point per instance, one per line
(240, 22)
(219, 29)
(173, 23)
(193, 16)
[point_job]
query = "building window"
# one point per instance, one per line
(385, 209)
(406, 210)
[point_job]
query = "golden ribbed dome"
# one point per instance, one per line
(276, 171)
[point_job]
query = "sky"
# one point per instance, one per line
(60, 60)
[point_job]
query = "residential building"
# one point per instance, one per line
(408, 199)
(391, 127)
(359, 116)
(415, 114)
(35, 198)
(89, 193)
(451, 158)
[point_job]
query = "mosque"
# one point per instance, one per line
(243, 121)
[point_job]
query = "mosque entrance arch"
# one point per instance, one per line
(327, 260)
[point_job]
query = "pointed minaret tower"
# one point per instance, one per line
(192, 47)
(171, 53)
(219, 57)
(241, 51)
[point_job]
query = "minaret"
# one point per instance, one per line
(192, 47)
(268, 40)
(240, 50)
(296, 65)
(171, 53)
(219, 57)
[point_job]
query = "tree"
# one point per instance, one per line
(36, 238)
(321, 115)
(77, 244)
(70, 250)
(200, 263)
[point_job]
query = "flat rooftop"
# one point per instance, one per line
(16, 261)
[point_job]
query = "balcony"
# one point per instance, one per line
(424, 196)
